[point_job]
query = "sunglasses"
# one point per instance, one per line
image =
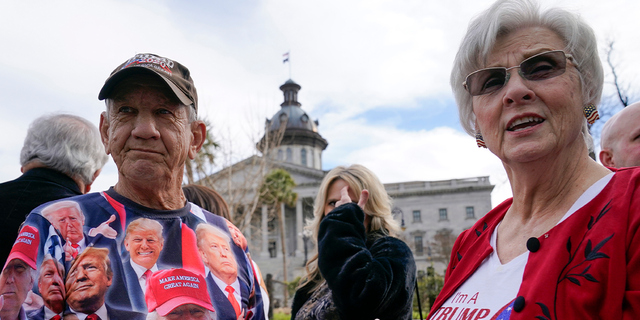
(541, 66)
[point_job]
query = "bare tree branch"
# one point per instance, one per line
(624, 99)
(612, 103)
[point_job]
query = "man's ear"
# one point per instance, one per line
(199, 134)
(104, 131)
(87, 187)
(203, 257)
(606, 158)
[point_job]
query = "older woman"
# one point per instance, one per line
(566, 245)
(361, 271)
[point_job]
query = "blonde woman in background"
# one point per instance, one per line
(361, 271)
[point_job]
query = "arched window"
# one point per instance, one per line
(289, 155)
(280, 155)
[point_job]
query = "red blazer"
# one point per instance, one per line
(586, 267)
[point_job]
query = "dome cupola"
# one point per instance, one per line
(300, 132)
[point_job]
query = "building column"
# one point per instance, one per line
(264, 252)
(299, 243)
(283, 215)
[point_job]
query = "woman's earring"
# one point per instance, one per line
(480, 141)
(591, 113)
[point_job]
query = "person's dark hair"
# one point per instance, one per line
(208, 199)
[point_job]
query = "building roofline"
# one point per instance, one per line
(406, 194)
(292, 168)
(395, 190)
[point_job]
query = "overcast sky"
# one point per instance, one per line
(374, 73)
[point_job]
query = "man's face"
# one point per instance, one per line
(69, 222)
(187, 312)
(217, 256)
(148, 134)
(144, 247)
(87, 284)
(15, 283)
(51, 286)
(626, 152)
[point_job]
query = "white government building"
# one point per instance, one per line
(432, 213)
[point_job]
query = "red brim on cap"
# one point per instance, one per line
(21, 256)
(120, 75)
(173, 303)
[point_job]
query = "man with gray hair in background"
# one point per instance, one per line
(61, 157)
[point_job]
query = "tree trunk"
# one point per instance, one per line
(284, 254)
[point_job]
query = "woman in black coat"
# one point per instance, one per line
(361, 270)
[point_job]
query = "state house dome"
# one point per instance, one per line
(301, 143)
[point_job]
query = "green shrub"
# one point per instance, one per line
(281, 316)
(291, 286)
(429, 285)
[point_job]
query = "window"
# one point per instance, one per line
(289, 155)
(272, 249)
(470, 213)
(418, 243)
(416, 216)
(443, 214)
(280, 155)
(303, 157)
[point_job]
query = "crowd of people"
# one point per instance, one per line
(527, 83)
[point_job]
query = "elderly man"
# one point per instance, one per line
(144, 242)
(18, 275)
(178, 294)
(51, 288)
(89, 278)
(225, 289)
(61, 157)
(150, 129)
(620, 142)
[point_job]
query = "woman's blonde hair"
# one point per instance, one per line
(378, 207)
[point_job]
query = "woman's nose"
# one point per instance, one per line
(516, 90)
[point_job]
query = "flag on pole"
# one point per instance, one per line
(285, 57)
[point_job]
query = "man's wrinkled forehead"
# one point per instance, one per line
(90, 260)
(50, 265)
(15, 263)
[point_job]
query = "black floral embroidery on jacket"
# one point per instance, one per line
(571, 272)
